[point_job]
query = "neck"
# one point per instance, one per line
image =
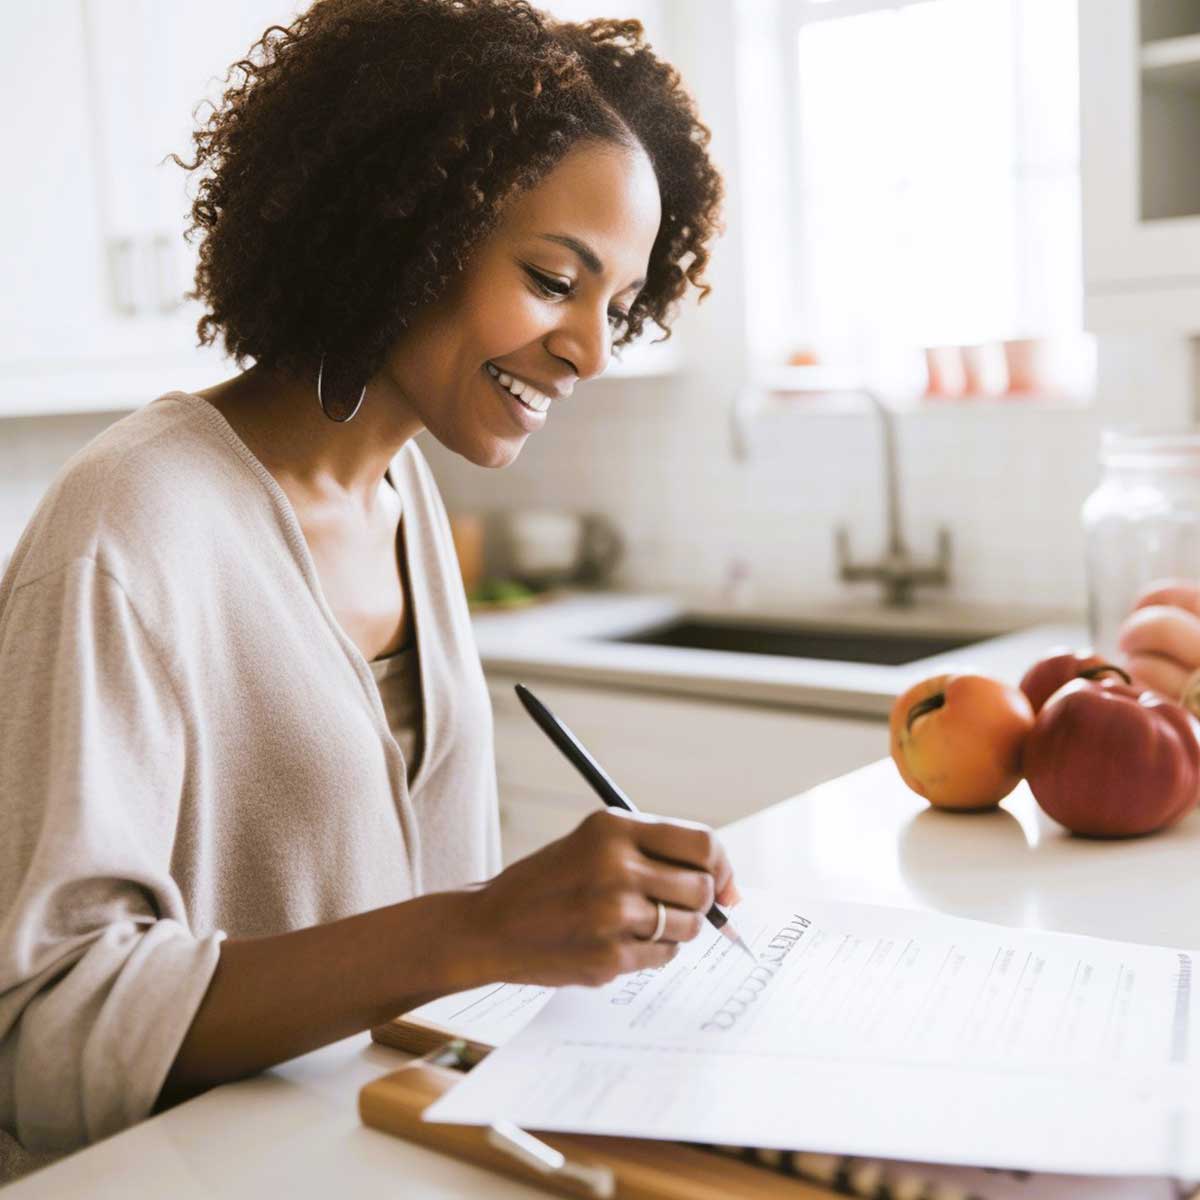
(280, 420)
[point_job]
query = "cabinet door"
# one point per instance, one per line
(152, 68)
(55, 280)
(674, 756)
(92, 219)
(1118, 106)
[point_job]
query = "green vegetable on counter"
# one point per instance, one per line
(501, 591)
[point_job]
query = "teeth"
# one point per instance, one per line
(525, 392)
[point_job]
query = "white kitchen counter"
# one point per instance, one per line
(294, 1131)
(564, 639)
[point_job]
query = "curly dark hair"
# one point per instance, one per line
(359, 154)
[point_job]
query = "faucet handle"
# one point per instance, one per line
(897, 572)
(848, 570)
(841, 543)
(940, 570)
(937, 572)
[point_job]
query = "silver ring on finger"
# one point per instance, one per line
(661, 924)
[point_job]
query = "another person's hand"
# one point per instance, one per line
(581, 910)
(1160, 640)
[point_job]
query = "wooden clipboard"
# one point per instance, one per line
(420, 1037)
(642, 1170)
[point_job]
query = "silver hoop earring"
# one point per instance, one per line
(332, 397)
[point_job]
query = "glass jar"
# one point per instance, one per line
(1141, 524)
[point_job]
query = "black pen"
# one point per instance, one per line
(604, 787)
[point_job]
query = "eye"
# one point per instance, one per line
(560, 289)
(547, 284)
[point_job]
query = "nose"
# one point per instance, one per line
(584, 339)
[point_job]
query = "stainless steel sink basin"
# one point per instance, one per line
(839, 644)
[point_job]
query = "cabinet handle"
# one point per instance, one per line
(120, 272)
(169, 300)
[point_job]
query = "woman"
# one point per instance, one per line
(247, 750)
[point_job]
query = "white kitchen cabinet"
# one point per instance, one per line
(153, 68)
(55, 284)
(1140, 123)
(673, 755)
(92, 220)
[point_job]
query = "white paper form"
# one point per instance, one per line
(491, 1015)
(920, 1181)
(876, 1032)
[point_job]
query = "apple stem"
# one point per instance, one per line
(1102, 670)
(929, 704)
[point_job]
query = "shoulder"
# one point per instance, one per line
(134, 489)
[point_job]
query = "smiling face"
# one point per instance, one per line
(536, 309)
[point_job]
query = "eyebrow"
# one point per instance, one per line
(586, 254)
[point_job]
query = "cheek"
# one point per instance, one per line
(506, 320)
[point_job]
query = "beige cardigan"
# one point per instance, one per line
(191, 747)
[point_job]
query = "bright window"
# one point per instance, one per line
(928, 188)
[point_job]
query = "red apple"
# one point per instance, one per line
(1044, 678)
(1107, 760)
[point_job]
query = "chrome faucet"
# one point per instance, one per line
(896, 570)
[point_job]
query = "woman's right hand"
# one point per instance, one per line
(577, 911)
(581, 910)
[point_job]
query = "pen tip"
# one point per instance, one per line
(727, 930)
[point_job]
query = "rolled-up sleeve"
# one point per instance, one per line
(100, 973)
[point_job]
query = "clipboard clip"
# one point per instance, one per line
(456, 1054)
(512, 1140)
(537, 1155)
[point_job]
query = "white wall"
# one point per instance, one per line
(1007, 481)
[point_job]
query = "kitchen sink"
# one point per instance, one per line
(838, 643)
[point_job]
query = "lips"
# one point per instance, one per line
(529, 419)
(525, 392)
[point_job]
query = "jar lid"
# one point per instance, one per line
(1151, 449)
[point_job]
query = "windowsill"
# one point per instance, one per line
(837, 390)
(847, 402)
